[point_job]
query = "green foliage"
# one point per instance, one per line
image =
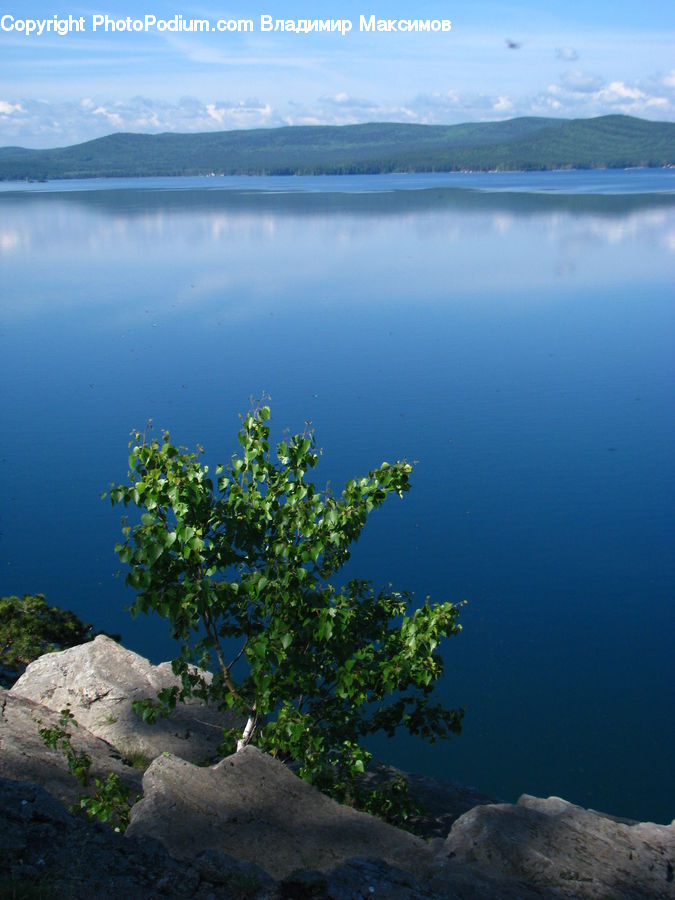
(514, 144)
(109, 802)
(390, 801)
(136, 759)
(59, 738)
(29, 628)
(241, 568)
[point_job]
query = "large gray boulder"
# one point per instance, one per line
(562, 851)
(24, 756)
(100, 680)
(252, 807)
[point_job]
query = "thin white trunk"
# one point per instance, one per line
(248, 731)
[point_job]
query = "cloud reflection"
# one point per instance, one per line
(111, 253)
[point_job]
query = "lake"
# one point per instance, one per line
(512, 333)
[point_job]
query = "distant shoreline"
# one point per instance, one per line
(514, 145)
(270, 175)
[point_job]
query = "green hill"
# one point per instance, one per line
(516, 144)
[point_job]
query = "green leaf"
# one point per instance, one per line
(247, 561)
(154, 553)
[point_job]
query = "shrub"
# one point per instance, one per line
(242, 568)
(30, 627)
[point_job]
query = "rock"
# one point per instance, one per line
(44, 851)
(464, 882)
(24, 756)
(248, 827)
(101, 679)
(562, 850)
(441, 801)
(252, 807)
(222, 869)
(354, 878)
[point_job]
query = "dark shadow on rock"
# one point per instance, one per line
(251, 807)
(24, 756)
(440, 801)
(46, 852)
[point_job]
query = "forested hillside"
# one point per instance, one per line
(516, 144)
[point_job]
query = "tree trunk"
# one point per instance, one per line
(248, 732)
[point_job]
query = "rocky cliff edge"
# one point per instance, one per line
(246, 826)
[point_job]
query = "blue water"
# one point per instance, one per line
(574, 181)
(512, 333)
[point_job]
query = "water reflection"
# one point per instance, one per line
(192, 247)
(519, 346)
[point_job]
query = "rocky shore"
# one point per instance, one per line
(246, 826)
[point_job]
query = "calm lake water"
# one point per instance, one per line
(512, 333)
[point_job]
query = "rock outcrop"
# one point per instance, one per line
(251, 806)
(559, 848)
(24, 756)
(46, 852)
(100, 680)
(246, 826)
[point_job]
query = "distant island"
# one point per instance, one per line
(523, 144)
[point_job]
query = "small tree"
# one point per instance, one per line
(30, 627)
(241, 571)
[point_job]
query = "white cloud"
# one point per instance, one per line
(343, 100)
(456, 106)
(584, 94)
(45, 124)
(237, 115)
(629, 98)
(6, 109)
(577, 93)
(215, 113)
(618, 91)
(502, 105)
(115, 119)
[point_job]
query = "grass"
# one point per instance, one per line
(136, 759)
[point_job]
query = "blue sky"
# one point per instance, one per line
(498, 61)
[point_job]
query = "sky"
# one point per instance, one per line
(562, 58)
